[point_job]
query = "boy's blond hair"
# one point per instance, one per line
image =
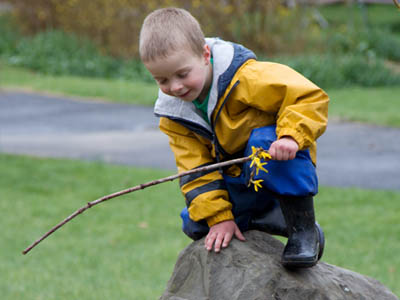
(169, 29)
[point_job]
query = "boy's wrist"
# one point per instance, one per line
(288, 137)
(294, 134)
(220, 217)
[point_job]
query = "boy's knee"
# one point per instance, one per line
(194, 230)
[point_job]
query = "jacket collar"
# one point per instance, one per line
(228, 57)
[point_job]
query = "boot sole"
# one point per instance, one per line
(299, 264)
(308, 263)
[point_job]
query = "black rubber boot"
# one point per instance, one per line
(271, 222)
(303, 246)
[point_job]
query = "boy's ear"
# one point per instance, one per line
(206, 53)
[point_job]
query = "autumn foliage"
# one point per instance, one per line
(115, 24)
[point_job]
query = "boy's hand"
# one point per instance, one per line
(283, 149)
(221, 234)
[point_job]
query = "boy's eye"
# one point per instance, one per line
(162, 81)
(183, 75)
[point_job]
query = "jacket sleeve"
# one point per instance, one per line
(205, 192)
(301, 107)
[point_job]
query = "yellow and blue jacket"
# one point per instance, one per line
(245, 94)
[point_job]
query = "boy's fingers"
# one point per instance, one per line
(218, 242)
(227, 239)
(209, 241)
(272, 152)
(239, 235)
(285, 155)
(292, 155)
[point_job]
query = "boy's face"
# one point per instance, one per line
(183, 74)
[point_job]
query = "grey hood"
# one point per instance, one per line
(227, 58)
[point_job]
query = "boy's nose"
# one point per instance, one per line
(176, 86)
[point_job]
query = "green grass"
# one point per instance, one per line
(135, 92)
(362, 229)
(371, 105)
(126, 248)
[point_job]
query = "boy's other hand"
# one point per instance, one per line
(221, 234)
(283, 149)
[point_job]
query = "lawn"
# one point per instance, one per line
(123, 249)
(94, 88)
(126, 248)
(375, 105)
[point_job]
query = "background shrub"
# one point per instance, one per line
(333, 46)
(264, 26)
(267, 27)
(9, 35)
(384, 42)
(57, 53)
(366, 41)
(343, 70)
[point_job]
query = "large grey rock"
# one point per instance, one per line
(252, 270)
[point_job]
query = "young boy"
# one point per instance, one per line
(215, 102)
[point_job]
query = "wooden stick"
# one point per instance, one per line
(133, 189)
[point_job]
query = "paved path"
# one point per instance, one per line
(349, 154)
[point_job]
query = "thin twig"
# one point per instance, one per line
(133, 189)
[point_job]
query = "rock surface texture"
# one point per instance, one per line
(252, 270)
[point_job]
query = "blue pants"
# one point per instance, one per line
(292, 178)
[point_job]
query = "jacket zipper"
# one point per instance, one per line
(217, 146)
(212, 136)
